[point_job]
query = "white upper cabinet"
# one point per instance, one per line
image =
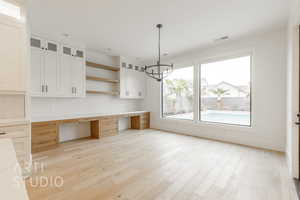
(12, 52)
(56, 70)
(44, 67)
(72, 72)
(51, 69)
(132, 81)
(78, 72)
(65, 71)
(37, 60)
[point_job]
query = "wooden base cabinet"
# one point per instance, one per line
(105, 127)
(45, 136)
(140, 122)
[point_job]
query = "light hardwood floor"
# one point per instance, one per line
(151, 164)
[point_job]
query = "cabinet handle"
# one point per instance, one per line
(43, 88)
(46, 88)
(3, 133)
(75, 90)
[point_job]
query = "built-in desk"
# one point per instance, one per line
(45, 130)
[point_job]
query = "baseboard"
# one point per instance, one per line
(220, 140)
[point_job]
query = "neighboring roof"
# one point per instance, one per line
(242, 88)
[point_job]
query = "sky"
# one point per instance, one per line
(235, 71)
(182, 73)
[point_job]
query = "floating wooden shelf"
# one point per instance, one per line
(102, 92)
(100, 66)
(95, 78)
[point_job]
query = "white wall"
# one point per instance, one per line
(268, 92)
(91, 104)
(292, 146)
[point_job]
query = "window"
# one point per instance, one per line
(178, 94)
(225, 95)
(10, 9)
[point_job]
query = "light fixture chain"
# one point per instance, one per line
(155, 71)
(159, 45)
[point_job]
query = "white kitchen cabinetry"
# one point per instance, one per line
(37, 61)
(11, 180)
(12, 48)
(72, 72)
(44, 67)
(51, 68)
(56, 70)
(132, 81)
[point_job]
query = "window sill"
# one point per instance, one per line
(177, 119)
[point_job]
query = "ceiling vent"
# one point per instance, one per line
(221, 39)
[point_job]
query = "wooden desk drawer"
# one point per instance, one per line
(109, 124)
(110, 132)
(105, 127)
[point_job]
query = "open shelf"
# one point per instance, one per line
(95, 78)
(102, 92)
(100, 66)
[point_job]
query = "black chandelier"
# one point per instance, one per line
(158, 71)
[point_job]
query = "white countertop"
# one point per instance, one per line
(76, 116)
(7, 155)
(11, 180)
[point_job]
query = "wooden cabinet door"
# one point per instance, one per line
(65, 72)
(37, 62)
(12, 53)
(51, 69)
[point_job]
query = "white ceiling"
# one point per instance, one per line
(128, 26)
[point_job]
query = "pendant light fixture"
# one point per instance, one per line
(159, 71)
